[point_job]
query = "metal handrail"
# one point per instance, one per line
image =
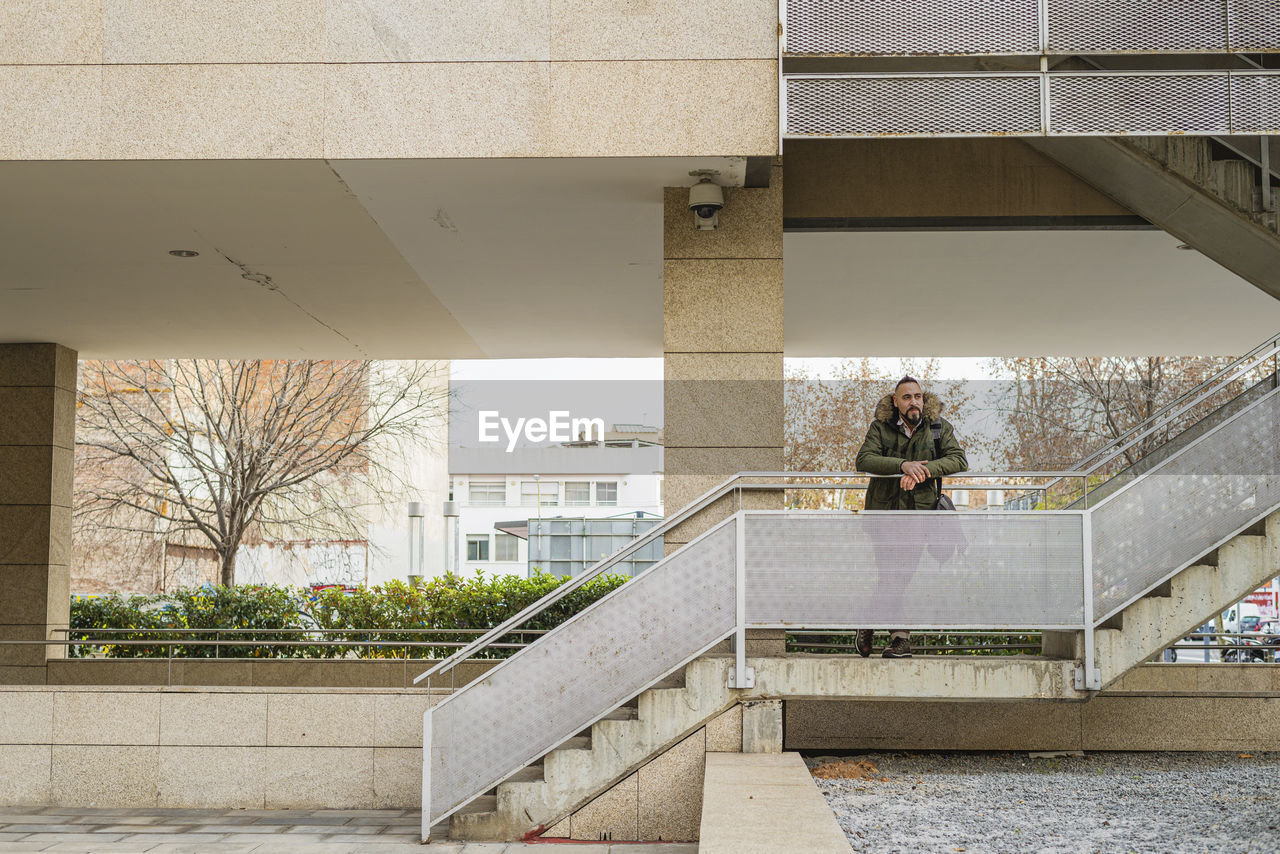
(729, 485)
(167, 630)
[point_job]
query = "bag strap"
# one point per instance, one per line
(935, 428)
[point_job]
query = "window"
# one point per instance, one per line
(492, 493)
(477, 546)
(533, 493)
(577, 493)
(506, 547)
(607, 493)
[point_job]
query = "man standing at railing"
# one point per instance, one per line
(910, 439)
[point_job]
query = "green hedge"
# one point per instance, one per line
(393, 613)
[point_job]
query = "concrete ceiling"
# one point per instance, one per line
(1015, 293)
(529, 258)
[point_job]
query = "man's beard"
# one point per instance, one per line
(912, 417)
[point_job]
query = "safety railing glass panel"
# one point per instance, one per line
(1187, 505)
(610, 652)
(915, 569)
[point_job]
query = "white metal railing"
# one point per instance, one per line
(1027, 27)
(758, 569)
(857, 105)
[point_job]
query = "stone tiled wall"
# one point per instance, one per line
(722, 343)
(133, 79)
(229, 748)
(37, 446)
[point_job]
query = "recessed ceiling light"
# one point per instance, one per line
(1184, 247)
(183, 253)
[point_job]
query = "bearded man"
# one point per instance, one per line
(900, 441)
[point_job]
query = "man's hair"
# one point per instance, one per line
(904, 381)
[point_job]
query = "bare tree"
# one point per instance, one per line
(217, 450)
(1058, 410)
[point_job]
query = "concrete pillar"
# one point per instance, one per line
(37, 449)
(722, 341)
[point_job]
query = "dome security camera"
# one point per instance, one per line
(705, 200)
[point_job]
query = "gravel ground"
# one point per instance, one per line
(1105, 802)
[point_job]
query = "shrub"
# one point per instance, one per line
(393, 613)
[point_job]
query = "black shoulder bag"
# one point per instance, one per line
(943, 502)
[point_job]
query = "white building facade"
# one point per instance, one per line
(486, 501)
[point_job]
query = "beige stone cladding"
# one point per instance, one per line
(133, 79)
(722, 343)
(37, 442)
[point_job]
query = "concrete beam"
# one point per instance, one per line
(1190, 211)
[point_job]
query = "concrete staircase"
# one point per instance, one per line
(1206, 195)
(571, 775)
(1189, 599)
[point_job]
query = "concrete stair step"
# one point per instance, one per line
(578, 742)
(624, 713)
(482, 804)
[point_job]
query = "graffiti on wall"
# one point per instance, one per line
(303, 563)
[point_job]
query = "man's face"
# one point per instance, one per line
(909, 399)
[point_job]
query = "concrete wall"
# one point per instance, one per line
(224, 748)
(264, 673)
(662, 800)
(932, 178)
(1155, 707)
(134, 79)
(361, 747)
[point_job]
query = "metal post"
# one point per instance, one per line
(1088, 677)
(426, 770)
(1264, 148)
(742, 676)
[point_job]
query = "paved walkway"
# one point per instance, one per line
(175, 831)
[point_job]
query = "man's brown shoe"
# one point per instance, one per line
(862, 642)
(898, 648)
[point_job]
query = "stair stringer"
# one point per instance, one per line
(572, 778)
(1196, 595)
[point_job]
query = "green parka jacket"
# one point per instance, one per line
(887, 447)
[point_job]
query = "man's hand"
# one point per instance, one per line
(917, 470)
(914, 474)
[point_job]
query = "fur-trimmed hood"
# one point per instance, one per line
(885, 410)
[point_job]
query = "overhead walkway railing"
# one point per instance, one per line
(1030, 103)
(1044, 102)
(866, 28)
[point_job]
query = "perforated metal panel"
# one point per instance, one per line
(1110, 103)
(1137, 26)
(1182, 509)
(1255, 102)
(910, 105)
(915, 569)
(912, 27)
(589, 665)
(1254, 26)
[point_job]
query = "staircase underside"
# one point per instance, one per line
(1187, 197)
